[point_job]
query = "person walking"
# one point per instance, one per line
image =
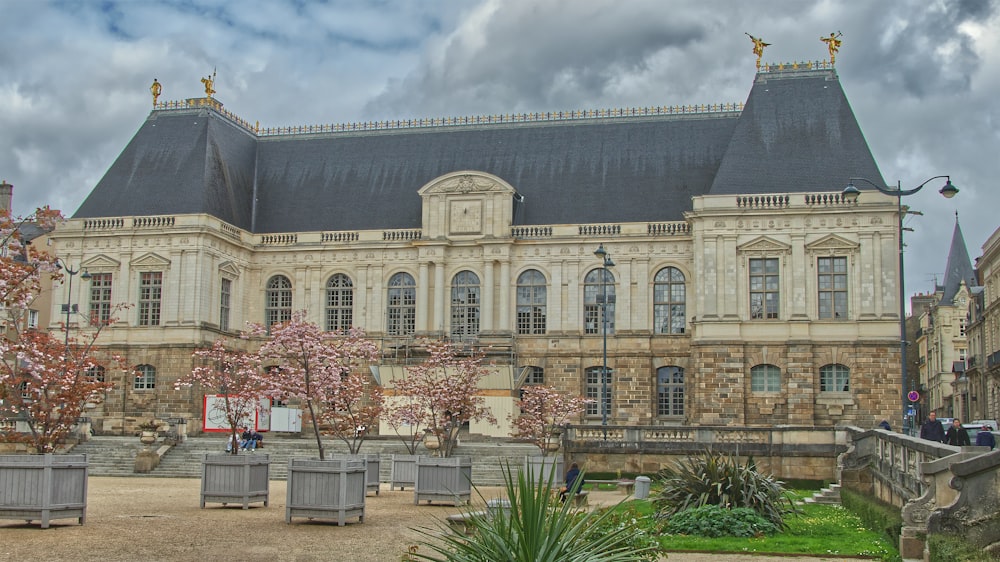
(956, 434)
(985, 438)
(932, 429)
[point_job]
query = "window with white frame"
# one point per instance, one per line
(765, 378)
(669, 295)
(401, 305)
(465, 302)
(150, 297)
(594, 301)
(225, 303)
(277, 301)
(595, 391)
(145, 378)
(531, 302)
(339, 303)
(100, 298)
(832, 286)
(764, 288)
(32, 319)
(670, 391)
(834, 378)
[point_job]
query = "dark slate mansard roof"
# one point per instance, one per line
(796, 133)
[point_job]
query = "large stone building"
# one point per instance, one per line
(745, 290)
(983, 373)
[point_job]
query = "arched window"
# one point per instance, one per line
(594, 292)
(595, 391)
(531, 295)
(277, 301)
(765, 378)
(834, 378)
(465, 305)
(401, 306)
(145, 377)
(670, 391)
(339, 303)
(669, 295)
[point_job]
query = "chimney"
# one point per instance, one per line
(6, 196)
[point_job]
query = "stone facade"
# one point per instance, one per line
(984, 336)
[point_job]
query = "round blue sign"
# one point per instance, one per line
(913, 396)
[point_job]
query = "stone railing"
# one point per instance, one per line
(765, 441)
(939, 488)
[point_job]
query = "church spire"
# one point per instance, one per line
(959, 267)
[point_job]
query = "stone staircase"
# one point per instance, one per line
(828, 495)
(115, 456)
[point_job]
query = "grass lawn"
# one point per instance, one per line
(821, 530)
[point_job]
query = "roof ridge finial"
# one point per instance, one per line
(758, 47)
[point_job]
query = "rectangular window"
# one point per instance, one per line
(225, 294)
(765, 378)
(832, 285)
(100, 298)
(764, 293)
(32, 319)
(150, 295)
(595, 391)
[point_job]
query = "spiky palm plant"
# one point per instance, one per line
(538, 528)
(714, 478)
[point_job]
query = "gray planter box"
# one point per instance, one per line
(443, 479)
(239, 479)
(404, 471)
(43, 487)
(374, 464)
(540, 468)
(327, 489)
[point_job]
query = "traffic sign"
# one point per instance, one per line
(913, 396)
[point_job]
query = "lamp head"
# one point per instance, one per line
(851, 193)
(608, 262)
(949, 190)
(600, 252)
(86, 275)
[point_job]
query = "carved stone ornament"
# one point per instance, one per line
(465, 184)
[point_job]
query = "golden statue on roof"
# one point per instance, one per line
(209, 82)
(155, 89)
(833, 44)
(758, 47)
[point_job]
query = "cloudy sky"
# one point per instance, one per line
(921, 75)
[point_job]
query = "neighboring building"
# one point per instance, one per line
(942, 339)
(745, 290)
(37, 313)
(984, 336)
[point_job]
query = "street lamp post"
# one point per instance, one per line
(69, 307)
(606, 262)
(851, 193)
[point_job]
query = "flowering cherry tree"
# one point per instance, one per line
(441, 394)
(355, 409)
(235, 375)
(313, 365)
(45, 381)
(544, 410)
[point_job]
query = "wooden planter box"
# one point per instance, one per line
(242, 479)
(327, 489)
(404, 471)
(443, 479)
(43, 487)
(374, 464)
(540, 468)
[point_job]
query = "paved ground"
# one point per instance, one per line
(153, 519)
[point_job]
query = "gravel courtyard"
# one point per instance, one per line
(152, 519)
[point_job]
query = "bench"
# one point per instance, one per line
(580, 499)
(626, 487)
(462, 522)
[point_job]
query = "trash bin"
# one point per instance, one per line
(498, 506)
(641, 487)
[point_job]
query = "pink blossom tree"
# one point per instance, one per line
(312, 365)
(236, 376)
(355, 409)
(45, 380)
(543, 412)
(442, 393)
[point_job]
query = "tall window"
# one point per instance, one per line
(765, 378)
(531, 305)
(225, 299)
(95, 373)
(834, 378)
(832, 283)
(593, 301)
(669, 295)
(536, 375)
(670, 391)
(150, 295)
(595, 391)
(277, 301)
(764, 288)
(100, 298)
(339, 303)
(32, 319)
(465, 305)
(401, 307)
(145, 377)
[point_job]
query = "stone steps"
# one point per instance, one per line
(828, 495)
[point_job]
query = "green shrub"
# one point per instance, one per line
(634, 526)
(948, 548)
(717, 479)
(875, 515)
(715, 521)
